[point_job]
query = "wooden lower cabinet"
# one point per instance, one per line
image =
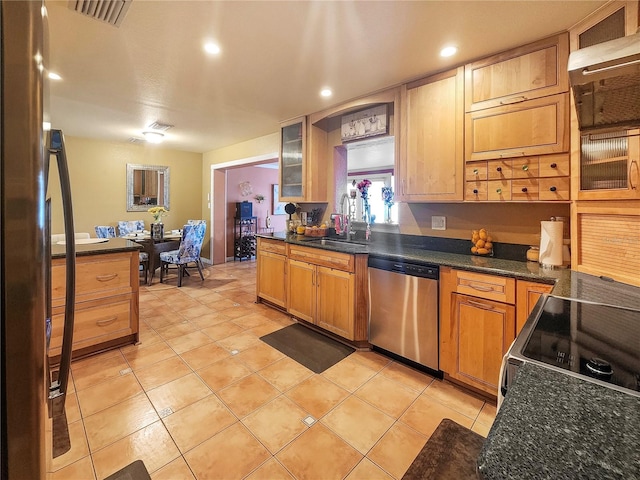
(271, 278)
(323, 296)
(527, 294)
(477, 326)
(107, 302)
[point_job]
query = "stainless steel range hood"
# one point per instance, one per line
(606, 84)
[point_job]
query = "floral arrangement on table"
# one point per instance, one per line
(158, 213)
(363, 188)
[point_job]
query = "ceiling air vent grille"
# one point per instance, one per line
(137, 141)
(160, 127)
(110, 11)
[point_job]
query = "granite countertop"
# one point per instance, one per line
(555, 426)
(112, 245)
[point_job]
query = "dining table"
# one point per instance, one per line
(153, 248)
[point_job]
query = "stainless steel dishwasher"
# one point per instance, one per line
(403, 313)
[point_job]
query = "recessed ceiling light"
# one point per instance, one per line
(326, 92)
(153, 137)
(54, 76)
(448, 51)
(212, 48)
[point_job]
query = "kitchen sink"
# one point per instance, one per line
(330, 242)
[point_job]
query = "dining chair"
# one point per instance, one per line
(107, 231)
(131, 226)
(198, 222)
(189, 252)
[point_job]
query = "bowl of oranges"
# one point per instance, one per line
(482, 243)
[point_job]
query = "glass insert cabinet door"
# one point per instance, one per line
(292, 148)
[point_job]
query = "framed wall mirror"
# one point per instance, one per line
(147, 186)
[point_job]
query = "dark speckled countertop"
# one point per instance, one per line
(555, 426)
(551, 425)
(112, 245)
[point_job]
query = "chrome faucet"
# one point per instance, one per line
(345, 219)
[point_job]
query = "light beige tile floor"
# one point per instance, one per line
(201, 397)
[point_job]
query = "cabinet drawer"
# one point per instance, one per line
(534, 127)
(499, 190)
(524, 189)
(499, 169)
(555, 188)
(94, 320)
(273, 246)
(95, 276)
(554, 166)
(491, 287)
(527, 167)
(475, 171)
(325, 258)
(475, 191)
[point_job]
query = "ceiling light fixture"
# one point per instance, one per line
(448, 51)
(212, 48)
(326, 92)
(153, 137)
(54, 76)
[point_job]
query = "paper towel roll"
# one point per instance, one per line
(551, 243)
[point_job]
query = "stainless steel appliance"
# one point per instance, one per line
(593, 341)
(403, 313)
(606, 84)
(25, 312)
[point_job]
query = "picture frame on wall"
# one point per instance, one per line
(278, 206)
(365, 123)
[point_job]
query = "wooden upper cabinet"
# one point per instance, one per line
(531, 71)
(431, 166)
(534, 127)
(292, 159)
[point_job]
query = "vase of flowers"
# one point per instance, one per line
(157, 227)
(387, 198)
(363, 188)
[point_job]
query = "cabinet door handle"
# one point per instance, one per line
(524, 189)
(499, 169)
(553, 165)
(499, 191)
(106, 321)
(552, 189)
(480, 289)
(481, 305)
(106, 278)
(512, 100)
(475, 190)
(633, 162)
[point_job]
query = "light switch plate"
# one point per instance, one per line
(438, 222)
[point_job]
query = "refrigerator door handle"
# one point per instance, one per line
(58, 389)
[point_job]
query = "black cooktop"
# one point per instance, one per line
(597, 341)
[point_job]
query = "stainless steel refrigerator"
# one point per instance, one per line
(31, 399)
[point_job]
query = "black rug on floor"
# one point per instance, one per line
(133, 471)
(450, 454)
(311, 349)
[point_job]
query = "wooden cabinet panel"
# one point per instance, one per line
(555, 165)
(531, 71)
(335, 301)
(476, 171)
(533, 127)
(499, 169)
(271, 278)
(326, 258)
(493, 287)
(475, 191)
(292, 159)
(96, 276)
(301, 293)
(524, 190)
(528, 294)
(499, 190)
(554, 188)
(486, 329)
(431, 160)
(95, 321)
(526, 167)
(107, 302)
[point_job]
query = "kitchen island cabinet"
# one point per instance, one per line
(107, 300)
(527, 294)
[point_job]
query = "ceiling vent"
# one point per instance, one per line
(110, 11)
(160, 127)
(137, 141)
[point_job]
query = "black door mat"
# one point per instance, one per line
(311, 349)
(133, 471)
(450, 454)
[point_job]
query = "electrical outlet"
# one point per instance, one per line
(438, 223)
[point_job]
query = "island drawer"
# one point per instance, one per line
(491, 287)
(325, 258)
